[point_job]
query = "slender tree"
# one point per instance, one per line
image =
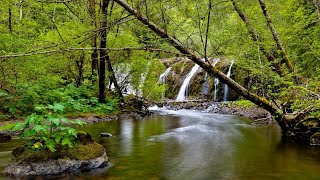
(256, 38)
(105, 58)
(94, 54)
(276, 36)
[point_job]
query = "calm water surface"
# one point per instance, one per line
(193, 145)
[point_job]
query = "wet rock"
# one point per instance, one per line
(52, 167)
(105, 134)
(84, 156)
(315, 139)
(4, 137)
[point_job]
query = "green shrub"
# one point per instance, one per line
(48, 131)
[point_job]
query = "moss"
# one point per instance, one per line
(85, 152)
(85, 149)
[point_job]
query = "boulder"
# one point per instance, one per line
(315, 139)
(105, 134)
(84, 156)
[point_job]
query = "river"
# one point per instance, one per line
(193, 145)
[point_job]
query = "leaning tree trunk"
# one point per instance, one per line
(275, 36)
(256, 38)
(213, 71)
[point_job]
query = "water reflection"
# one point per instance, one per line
(126, 136)
(193, 145)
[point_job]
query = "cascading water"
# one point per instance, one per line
(183, 92)
(163, 77)
(205, 86)
(225, 88)
(216, 83)
(122, 72)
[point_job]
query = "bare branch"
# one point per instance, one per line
(88, 49)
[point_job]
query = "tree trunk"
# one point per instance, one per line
(213, 71)
(113, 79)
(103, 53)
(256, 38)
(275, 36)
(104, 58)
(94, 54)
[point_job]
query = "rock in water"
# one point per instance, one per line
(53, 167)
(105, 134)
(315, 139)
(83, 156)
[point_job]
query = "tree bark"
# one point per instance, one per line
(104, 58)
(275, 36)
(256, 38)
(213, 71)
(103, 53)
(94, 54)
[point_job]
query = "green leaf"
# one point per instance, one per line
(30, 133)
(58, 107)
(18, 127)
(54, 120)
(67, 141)
(37, 145)
(39, 128)
(57, 138)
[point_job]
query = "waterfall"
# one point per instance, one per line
(122, 72)
(205, 86)
(164, 75)
(225, 88)
(216, 83)
(162, 79)
(183, 92)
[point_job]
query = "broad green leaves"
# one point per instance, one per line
(48, 131)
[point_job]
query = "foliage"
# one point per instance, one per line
(243, 104)
(48, 131)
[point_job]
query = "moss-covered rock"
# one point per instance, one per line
(315, 139)
(85, 155)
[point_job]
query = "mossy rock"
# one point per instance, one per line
(85, 155)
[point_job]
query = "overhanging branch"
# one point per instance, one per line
(87, 49)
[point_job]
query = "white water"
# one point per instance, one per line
(183, 92)
(216, 83)
(163, 78)
(122, 72)
(225, 88)
(205, 86)
(164, 75)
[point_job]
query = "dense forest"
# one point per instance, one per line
(68, 53)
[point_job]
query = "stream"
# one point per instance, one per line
(193, 145)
